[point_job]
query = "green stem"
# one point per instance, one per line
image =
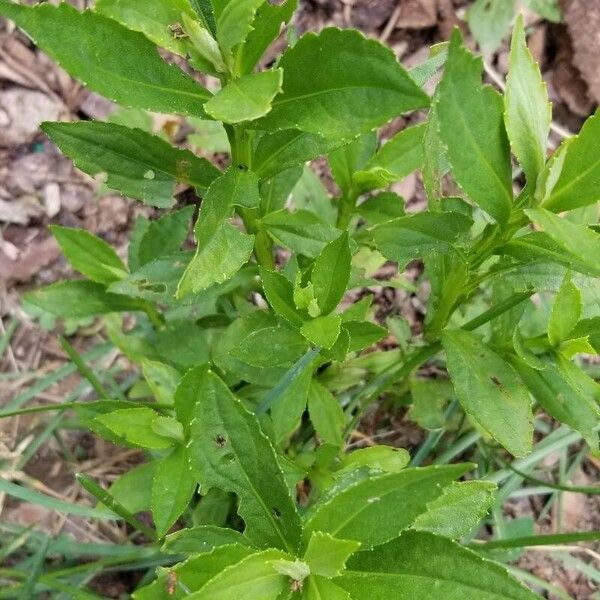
(346, 208)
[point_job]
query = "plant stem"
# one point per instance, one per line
(346, 207)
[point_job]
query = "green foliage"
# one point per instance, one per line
(256, 363)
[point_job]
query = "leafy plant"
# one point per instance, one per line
(245, 406)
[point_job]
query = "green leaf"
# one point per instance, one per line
(134, 426)
(133, 162)
(566, 311)
(527, 111)
(326, 414)
(381, 208)
(79, 299)
(378, 458)
(322, 331)
(578, 240)
(363, 334)
(338, 83)
(246, 98)
(320, 588)
(165, 236)
(489, 22)
(202, 538)
(398, 157)
(252, 578)
(417, 564)
(302, 231)
(265, 29)
(564, 400)
(234, 23)
(185, 397)
(326, 555)
(472, 127)
(355, 512)
(222, 248)
(128, 70)
(193, 573)
(407, 238)
(429, 397)
(279, 292)
(331, 272)
(578, 182)
(172, 489)
(270, 346)
(133, 489)
(89, 255)
(352, 157)
(205, 11)
(229, 451)
(489, 391)
(458, 510)
(162, 379)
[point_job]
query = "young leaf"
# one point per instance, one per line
(326, 414)
(472, 127)
(279, 292)
(222, 248)
(79, 299)
(331, 272)
(489, 391)
(172, 489)
(566, 311)
(527, 111)
(229, 451)
(89, 255)
(322, 331)
(326, 555)
(398, 157)
(319, 588)
(135, 163)
(577, 183)
(407, 238)
(128, 70)
(417, 564)
(134, 426)
(578, 240)
(352, 157)
(246, 98)
(355, 512)
(339, 84)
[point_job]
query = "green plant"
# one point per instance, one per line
(254, 401)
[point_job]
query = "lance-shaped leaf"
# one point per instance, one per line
(222, 248)
(133, 162)
(338, 83)
(577, 240)
(229, 451)
(579, 180)
(489, 390)
(527, 111)
(566, 312)
(279, 292)
(246, 98)
(89, 254)
(419, 566)
(355, 512)
(118, 63)
(397, 158)
(407, 238)
(327, 555)
(472, 127)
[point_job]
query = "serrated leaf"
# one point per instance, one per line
(128, 70)
(135, 163)
(458, 510)
(79, 299)
(578, 240)
(89, 255)
(171, 494)
(407, 238)
(527, 111)
(396, 159)
(229, 451)
(326, 555)
(302, 231)
(417, 564)
(472, 127)
(355, 512)
(566, 312)
(331, 272)
(246, 98)
(326, 414)
(134, 426)
(339, 84)
(222, 249)
(489, 391)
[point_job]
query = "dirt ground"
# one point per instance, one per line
(38, 186)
